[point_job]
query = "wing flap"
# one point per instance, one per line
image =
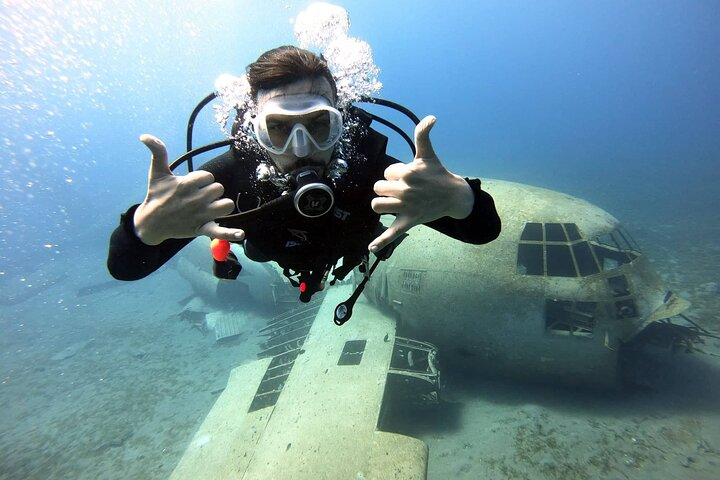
(225, 442)
(322, 421)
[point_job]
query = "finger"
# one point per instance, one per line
(424, 149)
(385, 188)
(213, 191)
(159, 162)
(383, 205)
(221, 207)
(213, 230)
(199, 178)
(395, 171)
(398, 227)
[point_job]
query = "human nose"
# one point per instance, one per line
(301, 145)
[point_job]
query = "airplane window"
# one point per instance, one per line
(618, 286)
(624, 239)
(586, 308)
(560, 262)
(530, 259)
(569, 255)
(608, 240)
(628, 239)
(620, 240)
(625, 309)
(554, 233)
(585, 260)
(610, 263)
(611, 259)
(563, 317)
(532, 232)
(572, 232)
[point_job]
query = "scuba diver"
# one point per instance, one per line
(305, 190)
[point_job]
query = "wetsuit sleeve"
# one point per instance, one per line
(131, 259)
(483, 225)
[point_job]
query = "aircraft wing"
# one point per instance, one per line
(310, 408)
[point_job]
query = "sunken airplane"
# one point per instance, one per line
(560, 296)
(557, 297)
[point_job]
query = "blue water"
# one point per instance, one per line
(616, 102)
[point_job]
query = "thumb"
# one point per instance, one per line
(159, 162)
(399, 226)
(424, 149)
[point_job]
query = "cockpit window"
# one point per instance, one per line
(572, 232)
(530, 259)
(610, 259)
(585, 259)
(533, 232)
(564, 317)
(618, 286)
(560, 261)
(617, 239)
(554, 232)
(560, 250)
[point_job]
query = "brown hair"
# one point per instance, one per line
(287, 64)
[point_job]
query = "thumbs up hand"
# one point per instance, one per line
(420, 191)
(180, 206)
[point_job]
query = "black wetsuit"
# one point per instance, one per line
(293, 241)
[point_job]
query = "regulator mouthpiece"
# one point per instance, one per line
(312, 198)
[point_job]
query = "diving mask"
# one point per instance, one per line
(305, 122)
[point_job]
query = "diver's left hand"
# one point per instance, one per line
(420, 191)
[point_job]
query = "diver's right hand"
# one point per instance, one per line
(180, 206)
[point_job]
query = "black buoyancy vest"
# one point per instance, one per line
(299, 243)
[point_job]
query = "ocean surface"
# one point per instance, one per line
(615, 102)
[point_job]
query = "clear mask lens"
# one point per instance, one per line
(305, 123)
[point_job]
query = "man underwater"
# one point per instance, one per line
(331, 163)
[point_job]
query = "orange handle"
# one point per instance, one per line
(220, 249)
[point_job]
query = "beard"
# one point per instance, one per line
(289, 163)
(309, 162)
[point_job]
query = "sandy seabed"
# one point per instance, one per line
(113, 385)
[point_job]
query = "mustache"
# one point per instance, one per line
(309, 162)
